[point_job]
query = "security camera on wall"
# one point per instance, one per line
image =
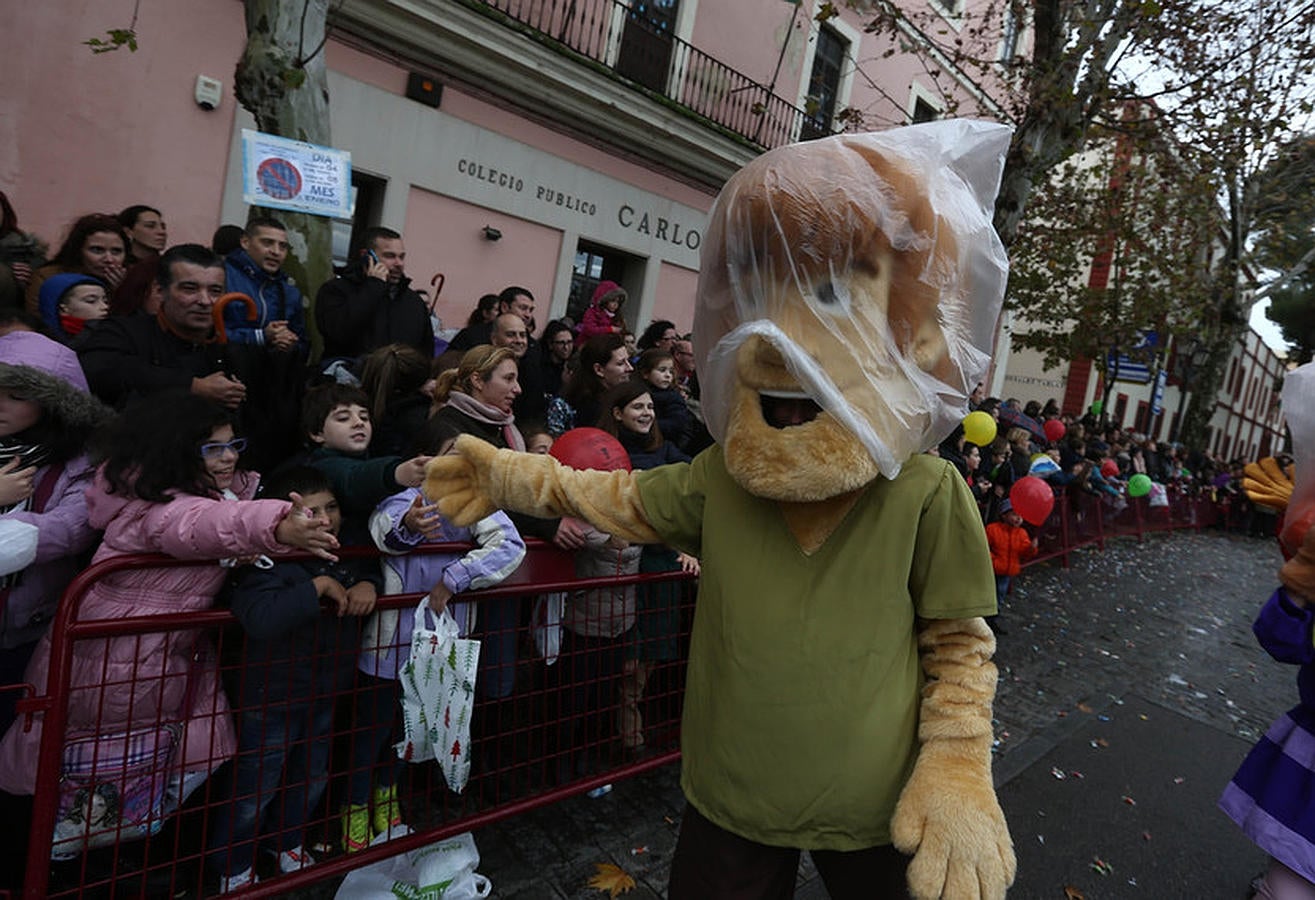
(209, 92)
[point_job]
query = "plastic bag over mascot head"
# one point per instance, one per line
(860, 273)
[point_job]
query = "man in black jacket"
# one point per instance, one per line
(371, 304)
(126, 357)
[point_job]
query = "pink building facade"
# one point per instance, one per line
(591, 136)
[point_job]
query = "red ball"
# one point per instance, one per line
(1054, 430)
(590, 448)
(1032, 499)
(1109, 468)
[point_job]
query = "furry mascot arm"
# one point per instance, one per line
(948, 817)
(478, 478)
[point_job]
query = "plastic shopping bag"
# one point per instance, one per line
(438, 695)
(546, 625)
(441, 871)
(18, 545)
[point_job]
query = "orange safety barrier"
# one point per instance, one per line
(539, 732)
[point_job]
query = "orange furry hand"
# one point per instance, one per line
(460, 483)
(948, 817)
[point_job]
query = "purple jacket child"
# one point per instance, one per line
(386, 644)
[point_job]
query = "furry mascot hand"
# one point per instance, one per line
(948, 817)
(477, 478)
(1298, 573)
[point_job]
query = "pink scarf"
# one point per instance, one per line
(482, 412)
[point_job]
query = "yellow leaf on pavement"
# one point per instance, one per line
(611, 878)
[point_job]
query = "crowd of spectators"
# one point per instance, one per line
(142, 387)
(1094, 458)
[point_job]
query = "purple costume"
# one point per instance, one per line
(1269, 797)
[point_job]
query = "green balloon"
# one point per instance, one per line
(1139, 485)
(1097, 406)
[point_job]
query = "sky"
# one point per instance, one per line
(1268, 331)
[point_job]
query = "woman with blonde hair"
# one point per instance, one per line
(477, 396)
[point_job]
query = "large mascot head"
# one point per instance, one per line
(847, 303)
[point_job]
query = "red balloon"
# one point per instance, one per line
(1109, 468)
(1054, 430)
(590, 448)
(1032, 499)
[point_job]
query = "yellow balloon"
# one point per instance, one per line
(979, 428)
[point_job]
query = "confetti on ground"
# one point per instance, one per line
(1058, 773)
(1072, 893)
(1041, 839)
(1128, 800)
(1098, 743)
(638, 851)
(1083, 707)
(1179, 779)
(1145, 835)
(1101, 867)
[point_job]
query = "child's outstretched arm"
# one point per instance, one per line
(478, 479)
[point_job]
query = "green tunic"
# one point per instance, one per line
(801, 705)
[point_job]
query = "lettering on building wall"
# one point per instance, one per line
(565, 201)
(1031, 379)
(658, 228)
(481, 172)
(640, 221)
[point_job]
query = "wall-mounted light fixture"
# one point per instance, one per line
(491, 233)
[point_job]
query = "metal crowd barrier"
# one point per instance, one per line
(1082, 519)
(555, 734)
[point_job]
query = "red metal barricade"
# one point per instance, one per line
(539, 732)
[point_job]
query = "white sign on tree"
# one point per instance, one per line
(279, 173)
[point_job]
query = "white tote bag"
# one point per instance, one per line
(438, 695)
(440, 871)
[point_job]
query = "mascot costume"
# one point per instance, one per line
(839, 686)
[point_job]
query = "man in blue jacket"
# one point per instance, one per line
(256, 269)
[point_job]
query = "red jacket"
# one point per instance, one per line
(1010, 545)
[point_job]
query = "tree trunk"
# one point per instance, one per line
(282, 80)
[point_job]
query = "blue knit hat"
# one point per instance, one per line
(53, 290)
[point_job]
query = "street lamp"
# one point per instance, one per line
(1191, 358)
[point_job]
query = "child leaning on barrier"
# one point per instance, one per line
(295, 661)
(400, 524)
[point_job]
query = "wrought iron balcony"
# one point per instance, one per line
(635, 43)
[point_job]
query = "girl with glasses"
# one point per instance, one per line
(168, 482)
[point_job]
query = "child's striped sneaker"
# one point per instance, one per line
(355, 827)
(244, 879)
(387, 811)
(294, 860)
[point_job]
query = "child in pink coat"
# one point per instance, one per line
(169, 484)
(604, 313)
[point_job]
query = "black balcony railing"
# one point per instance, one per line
(636, 42)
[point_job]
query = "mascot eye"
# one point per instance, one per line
(831, 298)
(826, 294)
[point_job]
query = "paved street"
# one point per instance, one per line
(1132, 674)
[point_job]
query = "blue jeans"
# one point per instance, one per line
(1002, 583)
(280, 772)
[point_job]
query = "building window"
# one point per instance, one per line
(1120, 409)
(646, 42)
(824, 84)
(924, 111)
(1009, 38)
